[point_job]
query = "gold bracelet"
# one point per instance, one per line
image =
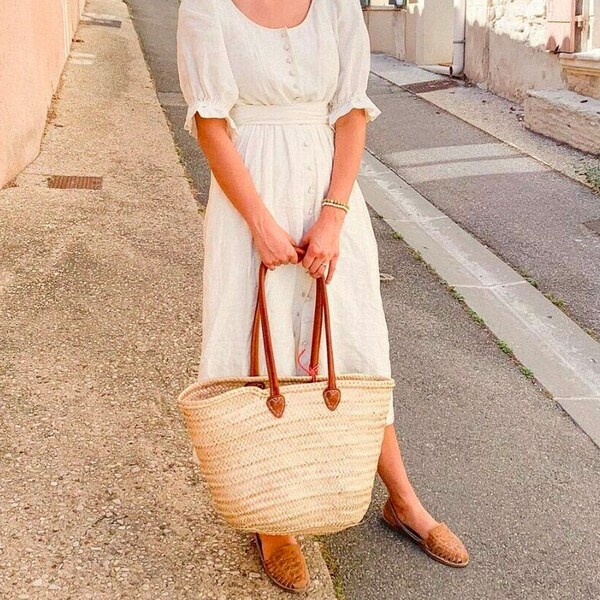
(335, 204)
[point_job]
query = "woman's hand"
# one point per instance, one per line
(322, 243)
(275, 246)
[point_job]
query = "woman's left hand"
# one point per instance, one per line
(322, 243)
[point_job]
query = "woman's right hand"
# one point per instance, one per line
(275, 246)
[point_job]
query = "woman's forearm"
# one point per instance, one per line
(349, 144)
(230, 171)
(275, 246)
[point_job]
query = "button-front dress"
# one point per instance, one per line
(281, 92)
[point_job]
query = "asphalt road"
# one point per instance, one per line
(531, 216)
(489, 453)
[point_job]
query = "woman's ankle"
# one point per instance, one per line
(270, 543)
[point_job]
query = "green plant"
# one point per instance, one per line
(591, 173)
(333, 570)
(526, 371)
(505, 347)
(526, 275)
(397, 236)
(417, 255)
(477, 318)
(559, 302)
(455, 293)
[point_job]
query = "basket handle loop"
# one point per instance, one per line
(276, 401)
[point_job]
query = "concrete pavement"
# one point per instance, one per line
(100, 293)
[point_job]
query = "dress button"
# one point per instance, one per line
(309, 167)
(283, 33)
(288, 60)
(310, 211)
(286, 47)
(311, 189)
(292, 72)
(306, 143)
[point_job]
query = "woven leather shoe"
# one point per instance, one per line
(440, 544)
(286, 567)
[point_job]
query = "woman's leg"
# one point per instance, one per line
(402, 495)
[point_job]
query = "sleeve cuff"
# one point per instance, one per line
(208, 111)
(357, 101)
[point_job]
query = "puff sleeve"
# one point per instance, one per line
(205, 74)
(355, 61)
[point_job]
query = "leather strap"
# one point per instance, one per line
(276, 401)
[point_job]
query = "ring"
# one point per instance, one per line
(323, 264)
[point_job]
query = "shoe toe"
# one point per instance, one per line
(287, 568)
(444, 544)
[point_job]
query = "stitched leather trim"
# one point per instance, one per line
(332, 398)
(276, 404)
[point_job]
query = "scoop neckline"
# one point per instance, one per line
(253, 22)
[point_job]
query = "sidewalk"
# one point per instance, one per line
(100, 292)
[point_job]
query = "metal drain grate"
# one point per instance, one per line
(75, 182)
(102, 22)
(429, 86)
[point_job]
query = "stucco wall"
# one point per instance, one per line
(34, 44)
(505, 47)
(387, 29)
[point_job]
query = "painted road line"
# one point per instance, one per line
(563, 358)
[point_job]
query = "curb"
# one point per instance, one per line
(564, 359)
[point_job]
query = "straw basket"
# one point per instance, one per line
(295, 455)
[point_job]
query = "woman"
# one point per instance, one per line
(277, 100)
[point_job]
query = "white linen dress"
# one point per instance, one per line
(281, 91)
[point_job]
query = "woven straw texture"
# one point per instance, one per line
(309, 472)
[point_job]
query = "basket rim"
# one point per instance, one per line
(287, 384)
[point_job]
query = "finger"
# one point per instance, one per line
(317, 267)
(331, 271)
(293, 259)
(308, 259)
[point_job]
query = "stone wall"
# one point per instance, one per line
(34, 45)
(505, 47)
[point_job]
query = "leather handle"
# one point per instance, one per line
(276, 401)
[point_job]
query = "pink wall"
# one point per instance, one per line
(34, 44)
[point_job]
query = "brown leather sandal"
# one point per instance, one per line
(441, 544)
(286, 567)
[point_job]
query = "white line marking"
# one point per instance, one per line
(455, 170)
(426, 156)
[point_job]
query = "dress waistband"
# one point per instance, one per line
(278, 114)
